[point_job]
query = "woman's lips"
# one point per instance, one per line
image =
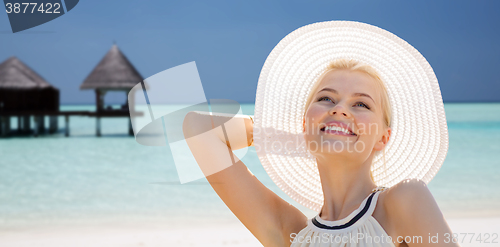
(337, 128)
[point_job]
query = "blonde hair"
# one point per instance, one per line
(353, 65)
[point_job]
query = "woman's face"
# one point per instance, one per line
(345, 116)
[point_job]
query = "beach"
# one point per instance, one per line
(111, 191)
(156, 235)
(230, 234)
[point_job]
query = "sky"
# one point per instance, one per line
(230, 40)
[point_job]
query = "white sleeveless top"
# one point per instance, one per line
(360, 228)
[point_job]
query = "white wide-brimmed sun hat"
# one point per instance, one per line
(419, 139)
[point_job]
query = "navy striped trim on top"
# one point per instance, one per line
(351, 222)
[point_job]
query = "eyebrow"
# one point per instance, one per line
(354, 94)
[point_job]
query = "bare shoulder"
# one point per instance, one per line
(409, 209)
(406, 197)
(410, 203)
(395, 202)
(406, 191)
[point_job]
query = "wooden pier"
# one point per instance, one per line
(24, 121)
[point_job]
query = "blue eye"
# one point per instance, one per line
(363, 104)
(323, 98)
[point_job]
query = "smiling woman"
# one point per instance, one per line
(328, 103)
(352, 75)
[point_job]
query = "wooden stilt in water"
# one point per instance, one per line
(66, 127)
(19, 123)
(98, 126)
(4, 125)
(41, 124)
(7, 126)
(53, 122)
(36, 128)
(130, 129)
(26, 124)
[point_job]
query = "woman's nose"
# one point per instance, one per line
(339, 110)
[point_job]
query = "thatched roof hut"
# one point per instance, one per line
(22, 89)
(113, 73)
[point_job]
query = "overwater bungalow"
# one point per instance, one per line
(113, 73)
(24, 93)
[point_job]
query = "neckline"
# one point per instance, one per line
(352, 218)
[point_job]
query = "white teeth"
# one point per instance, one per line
(338, 129)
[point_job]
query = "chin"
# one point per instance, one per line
(331, 147)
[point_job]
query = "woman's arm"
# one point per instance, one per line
(413, 212)
(266, 215)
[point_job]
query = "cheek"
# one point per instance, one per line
(314, 113)
(311, 120)
(367, 125)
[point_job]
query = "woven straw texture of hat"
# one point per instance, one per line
(419, 140)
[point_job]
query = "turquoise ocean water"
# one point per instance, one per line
(56, 180)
